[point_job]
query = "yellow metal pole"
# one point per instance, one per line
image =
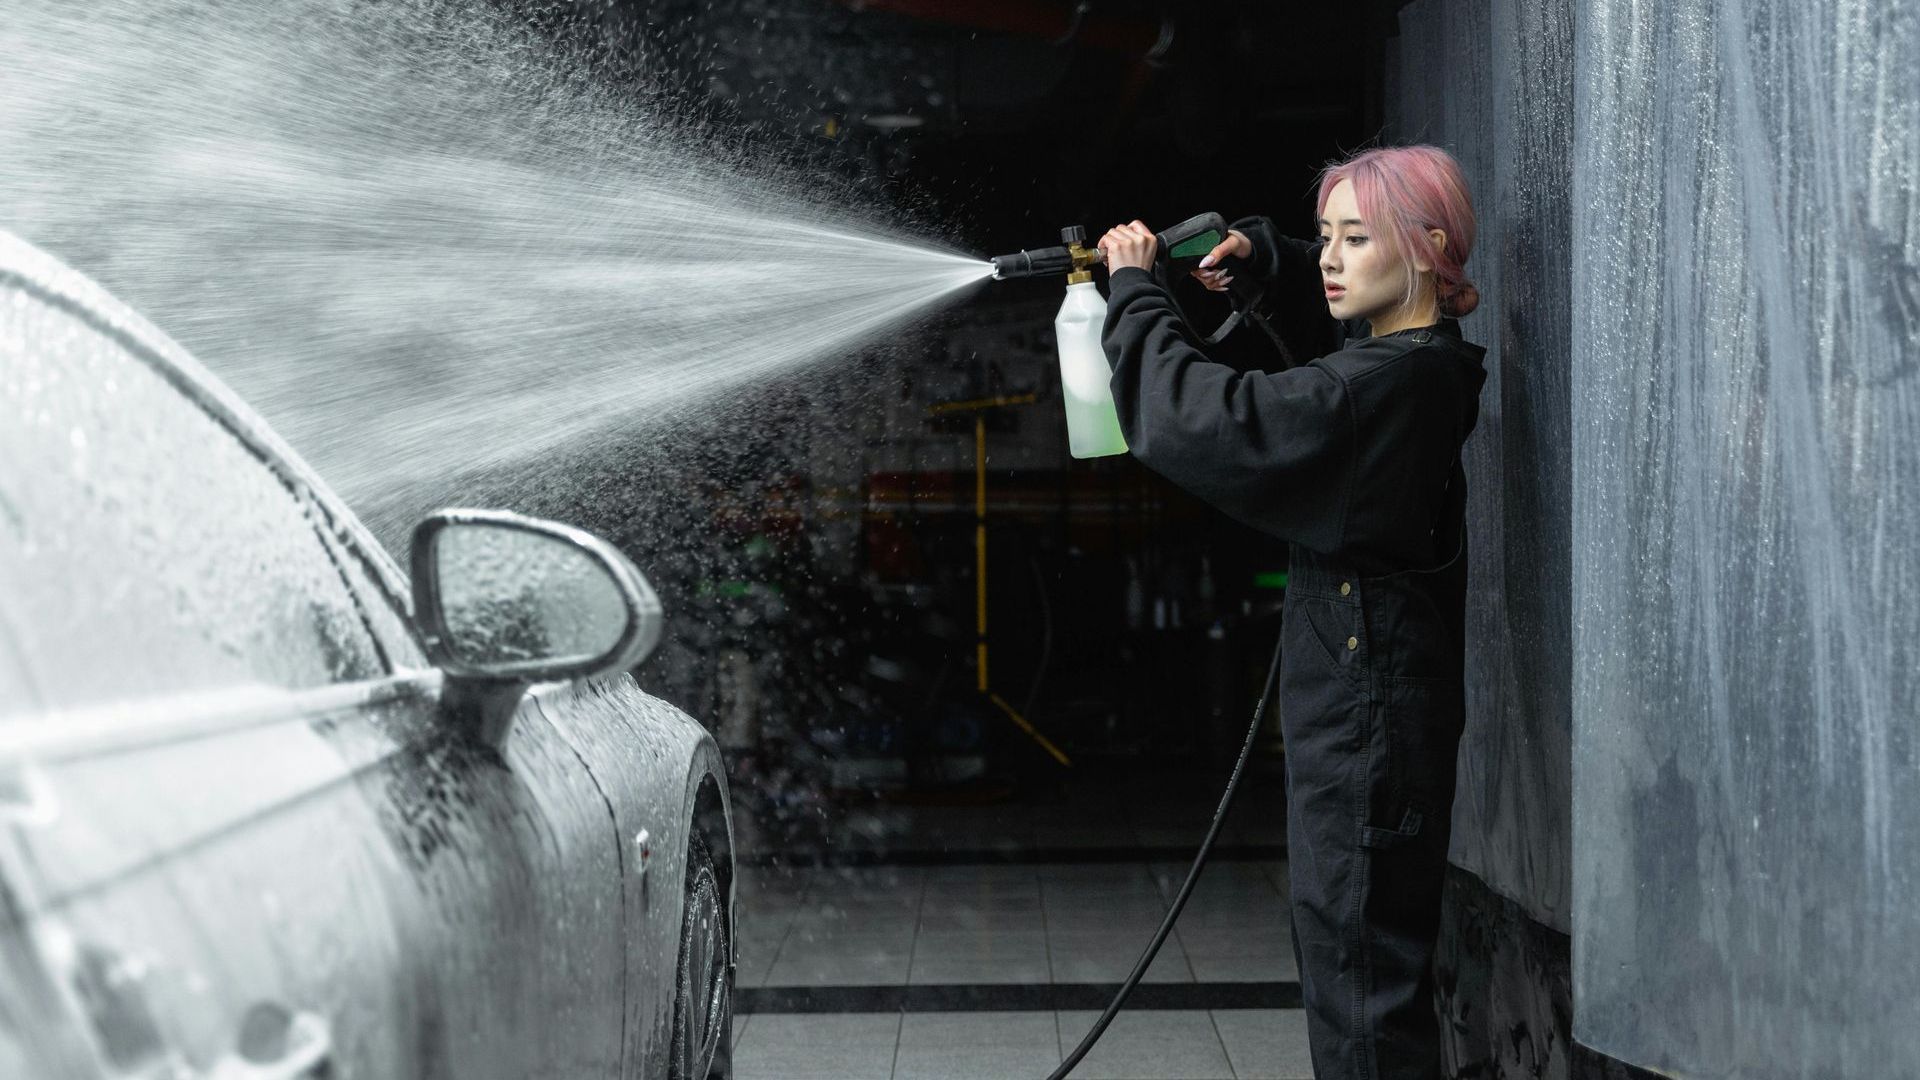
(978, 408)
(1032, 732)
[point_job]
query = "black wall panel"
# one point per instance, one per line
(1491, 82)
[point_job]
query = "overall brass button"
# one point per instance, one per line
(1353, 643)
(1345, 588)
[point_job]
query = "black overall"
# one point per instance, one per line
(1353, 459)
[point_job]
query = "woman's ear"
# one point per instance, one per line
(1438, 238)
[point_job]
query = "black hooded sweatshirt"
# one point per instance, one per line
(1353, 456)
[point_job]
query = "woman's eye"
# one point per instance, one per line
(1356, 241)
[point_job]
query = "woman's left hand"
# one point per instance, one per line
(1131, 244)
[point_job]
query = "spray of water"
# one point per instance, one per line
(415, 238)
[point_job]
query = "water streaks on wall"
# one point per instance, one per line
(1745, 628)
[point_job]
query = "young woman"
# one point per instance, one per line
(1354, 459)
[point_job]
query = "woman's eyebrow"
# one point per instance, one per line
(1349, 221)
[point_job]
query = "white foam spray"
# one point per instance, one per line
(415, 238)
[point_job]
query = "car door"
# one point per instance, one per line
(240, 834)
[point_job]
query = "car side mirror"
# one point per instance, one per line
(505, 601)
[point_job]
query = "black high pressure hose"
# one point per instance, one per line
(1193, 875)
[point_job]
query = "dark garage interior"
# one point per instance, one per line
(974, 699)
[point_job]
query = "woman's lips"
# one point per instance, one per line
(1335, 292)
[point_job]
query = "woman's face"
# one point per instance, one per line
(1362, 280)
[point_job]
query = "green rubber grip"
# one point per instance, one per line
(1194, 247)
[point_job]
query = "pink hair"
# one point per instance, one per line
(1403, 191)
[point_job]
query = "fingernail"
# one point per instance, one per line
(1208, 261)
(1228, 280)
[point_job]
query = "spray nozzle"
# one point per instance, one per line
(1181, 249)
(1072, 258)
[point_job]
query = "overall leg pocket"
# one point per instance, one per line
(1416, 739)
(1330, 631)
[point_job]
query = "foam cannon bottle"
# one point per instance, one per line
(1093, 427)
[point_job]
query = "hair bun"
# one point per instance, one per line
(1461, 301)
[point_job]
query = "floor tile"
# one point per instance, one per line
(1242, 967)
(1033, 969)
(1089, 916)
(832, 896)
(754, 960)
(754, 881)
(1149, 1045)
(881, 883)
(981, 945)
(870, 948)
(1247, 914)
(1267, 830)
(1011, 918)
(954, 891)
(1082, 836)
(851, 923)
(947, 878)
(762, 918)
(1076, 896)
(1109, 957)
(1276, 871)
(765, 914)
(856, 1046)
(895, 934)
(740, 1022)
(977, 1046)
(1173, 836)
(946, 897)
(1263, 937)
(840, 965)
(980, 958)
(1266, 1044)
(1222, 875)
(1115, 875)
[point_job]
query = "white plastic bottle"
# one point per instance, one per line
(1093, 428)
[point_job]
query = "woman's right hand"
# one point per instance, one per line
(1216, 277)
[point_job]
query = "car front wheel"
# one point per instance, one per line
(703, 992)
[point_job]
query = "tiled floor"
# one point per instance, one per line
(978, 942)
(1270, 1044)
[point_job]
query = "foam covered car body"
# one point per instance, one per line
(269, 809)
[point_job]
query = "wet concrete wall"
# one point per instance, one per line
(1746, 573)
(1491, 81)
(1696, 583)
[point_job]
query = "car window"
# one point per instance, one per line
(384, 611)
(18, 692)
(144, 548)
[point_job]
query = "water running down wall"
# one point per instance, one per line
(1723, 498)
(1746, 578)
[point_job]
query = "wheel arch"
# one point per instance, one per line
(712, 821)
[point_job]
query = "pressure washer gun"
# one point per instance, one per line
(1180, 250)
(1093, 425)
